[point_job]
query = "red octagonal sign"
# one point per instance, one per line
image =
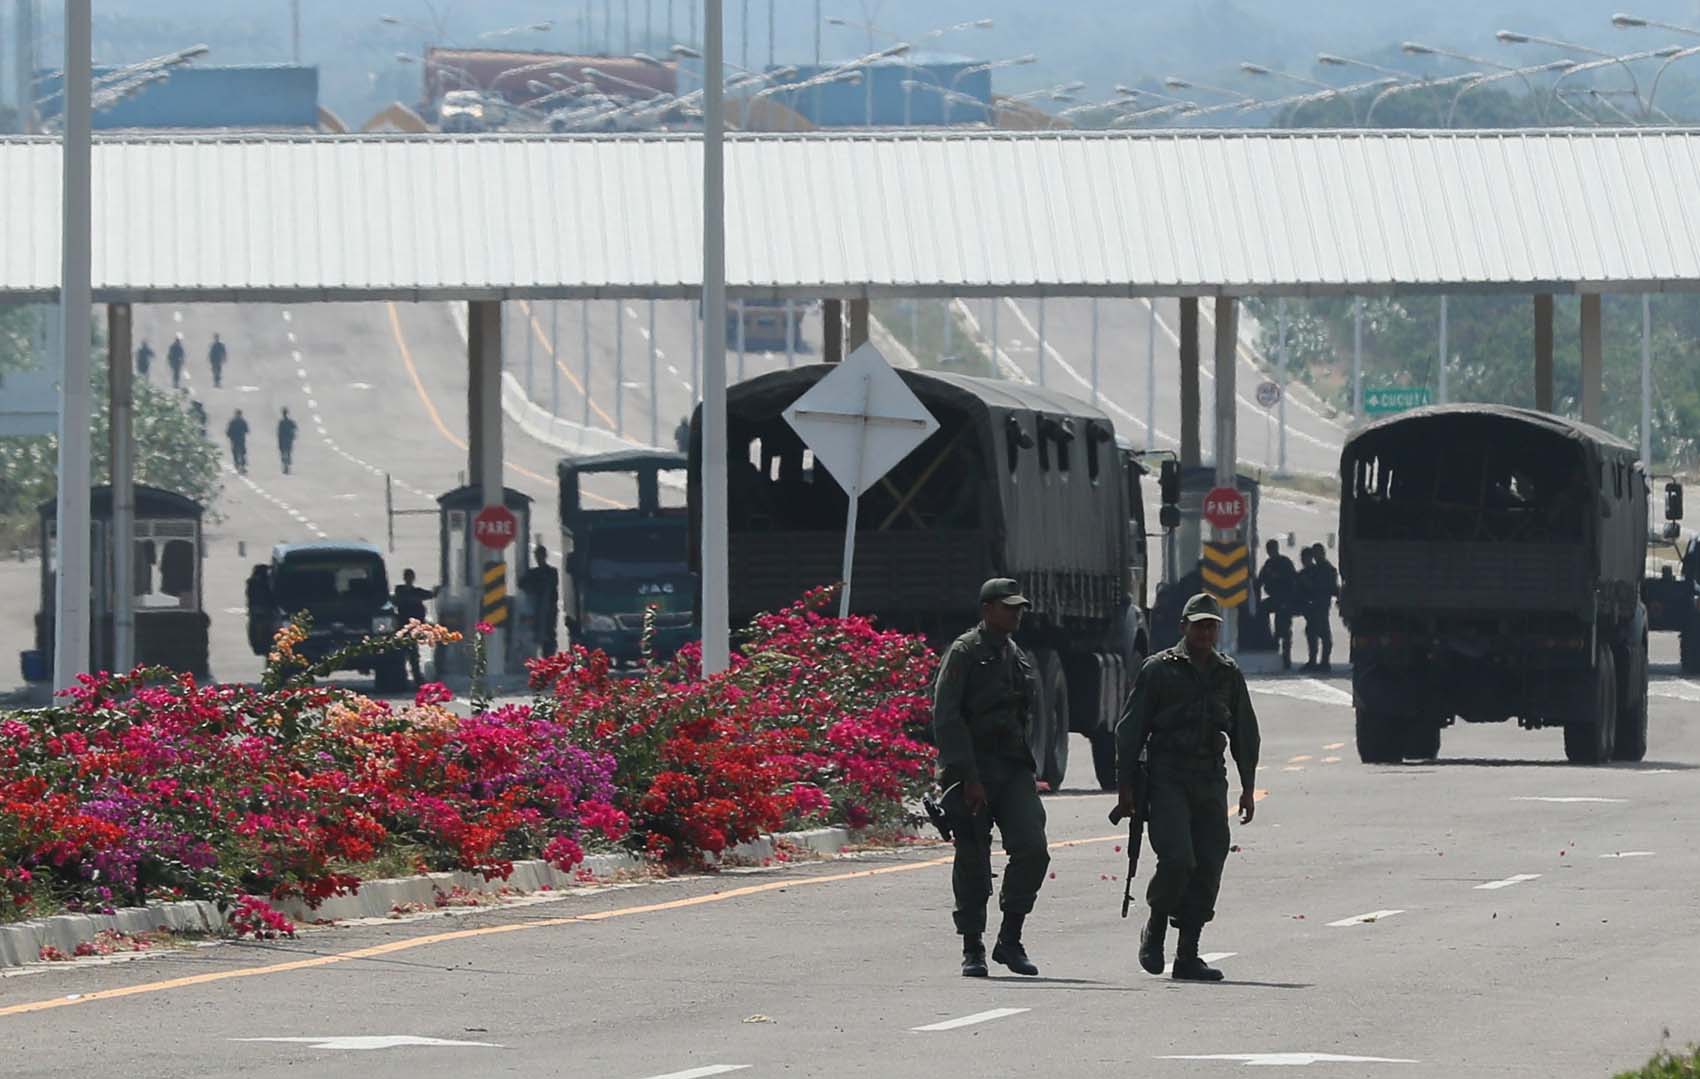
(495, 527)
(1224, 507)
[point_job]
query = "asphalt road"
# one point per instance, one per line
(1495, 913)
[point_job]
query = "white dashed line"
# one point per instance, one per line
(291, 511)
(1365, 919)
(703, 1072)
(1495, 885)
(1569, 800)
(1676, 689)
(1629, 854)
(1208, 957)
(1312, 690)
(971, 1020)
(287, 315)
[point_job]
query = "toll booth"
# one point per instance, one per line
(1250, 625)
(167, 552)
(479, 582)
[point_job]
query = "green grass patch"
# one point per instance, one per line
(1668, 1065)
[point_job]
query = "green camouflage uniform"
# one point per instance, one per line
(985, 691)
(1184, 717)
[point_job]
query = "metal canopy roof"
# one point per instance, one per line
(867, 214)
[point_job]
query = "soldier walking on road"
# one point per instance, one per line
(1279, 583)
(1188, 705)
(174, 357)
(286, 429)
(541, 587)
(982, 701)
(1319, 583)
(237, 431)
(144, 359)
(216, 355)
(409, 602)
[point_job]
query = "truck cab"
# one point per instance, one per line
(627, 553)
(343, 586)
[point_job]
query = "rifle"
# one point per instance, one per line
(1135, 832)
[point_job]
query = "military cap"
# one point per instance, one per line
(1002, 590)
(1200, 607)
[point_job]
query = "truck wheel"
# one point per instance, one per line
(1054, 764)
(1378, 737)
(1420, 740)
(1590, 742)
(1631, 734)
(1040, 722)
(1104, 759)
(389, 674)
(1690, 651)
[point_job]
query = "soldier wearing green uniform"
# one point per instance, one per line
(1188, 704)
(985, 691)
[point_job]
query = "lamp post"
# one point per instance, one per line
(1265, 72)
(1512, 73)
(1620, 61)
(1512, 37)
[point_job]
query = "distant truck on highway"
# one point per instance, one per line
(344, 587)
(625, 558)
(1018, 481)
(1491, 562)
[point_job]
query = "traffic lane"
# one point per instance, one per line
(1436, 982)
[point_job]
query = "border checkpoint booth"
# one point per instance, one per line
(477, 581)
(167, 549)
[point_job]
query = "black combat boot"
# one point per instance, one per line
(973, 956)
(1008, 949)
(1151, 943)
(1188, 967)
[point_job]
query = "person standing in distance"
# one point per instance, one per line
(409, 600)
(144, 359)
(1279, 583)
(982, 700)
(216, 355)
(1189, 703)
(237, 432)
(286, 429)
(174, 357)
(1319, 583)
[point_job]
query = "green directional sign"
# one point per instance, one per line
(1399, 399)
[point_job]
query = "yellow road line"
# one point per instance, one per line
(537, 330)
(437, 417)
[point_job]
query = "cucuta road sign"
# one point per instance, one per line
(1385, 402)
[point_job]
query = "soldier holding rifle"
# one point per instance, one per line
(1188, 705)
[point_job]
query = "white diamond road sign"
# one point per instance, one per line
(860, 421)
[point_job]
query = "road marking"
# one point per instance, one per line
(1365, 919)
(1208, 957)
(359, 385)
(1331, 760)
(291, 335)
(1656, 772)
(410, 943)
(1677, 689)
(287, 315)
(300, 372)
(1294, 768)
(1495, 885)
(1255, 1060)
(1629, 854)
(971, 1020)
(1312, 690)
(247, 389)
(1335, 745)
(369, 1041)
(177, 316)
(1300, 759)
(1569, 800)
(537, 332)
(702, 1072)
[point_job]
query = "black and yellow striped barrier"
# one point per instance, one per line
(494, 609)
(1227, 572)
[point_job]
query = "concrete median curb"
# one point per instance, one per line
(21, 942)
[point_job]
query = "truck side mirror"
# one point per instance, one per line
(1169, 484)
(1673, 501)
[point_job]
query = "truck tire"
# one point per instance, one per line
(1378, 737)
(1690, 650)
(1631, 734)
(1104, 759)
(1053, 766)
(1590, 741)
(1419, 740)
(389, 674)
(1040, 722)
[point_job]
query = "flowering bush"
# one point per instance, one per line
(815, 722)
(148, 785)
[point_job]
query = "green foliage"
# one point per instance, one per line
(1668, 1065)
(172, 452)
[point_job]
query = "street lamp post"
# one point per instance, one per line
(1511, 37)
(716, 598)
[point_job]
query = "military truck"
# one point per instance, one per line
(1491, 561)
(624, 558)
(1018, 481)
(342, 584)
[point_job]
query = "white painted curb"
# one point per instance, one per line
(21, 942)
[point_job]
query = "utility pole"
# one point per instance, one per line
(23, 65)
(715, 558)
(295, 30)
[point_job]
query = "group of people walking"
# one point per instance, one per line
(237, 429)
(1308, 590)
